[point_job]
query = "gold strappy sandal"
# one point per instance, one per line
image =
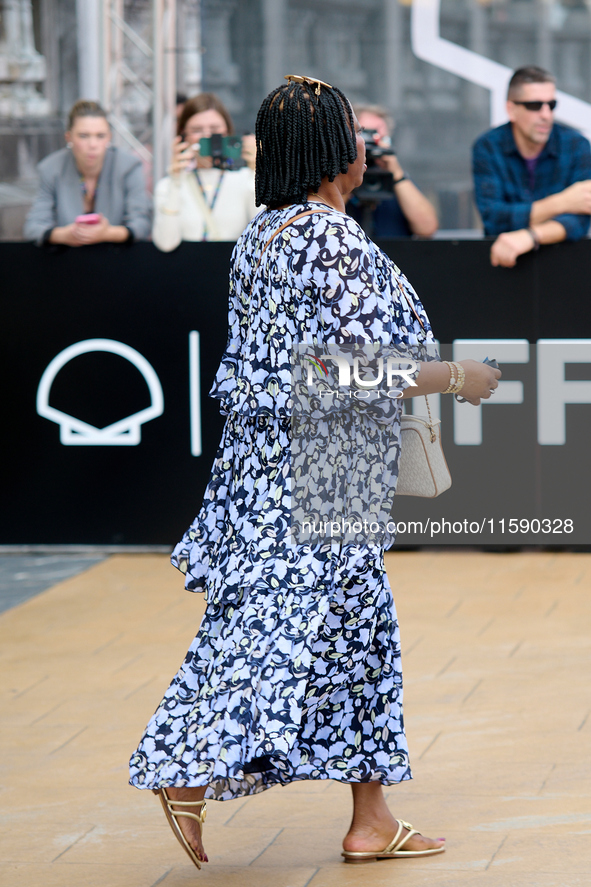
(172, 815)
(394, 849)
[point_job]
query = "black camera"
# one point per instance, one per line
(373, 150)
(378, 183)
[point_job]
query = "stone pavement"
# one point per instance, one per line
(497, 656)
(25, 575)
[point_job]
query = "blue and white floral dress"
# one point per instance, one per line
(295, 672)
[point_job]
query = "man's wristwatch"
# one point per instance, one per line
(534, 237)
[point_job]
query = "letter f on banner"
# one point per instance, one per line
(468, 418)
(554, 391)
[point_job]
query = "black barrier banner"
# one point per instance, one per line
(109, 353)
(518, 461)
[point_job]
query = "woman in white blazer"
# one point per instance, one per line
(197, 200)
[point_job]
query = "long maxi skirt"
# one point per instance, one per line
(295, 672)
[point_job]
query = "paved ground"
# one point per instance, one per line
(22, 576)
(497, 657)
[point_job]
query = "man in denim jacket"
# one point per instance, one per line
(532, 176)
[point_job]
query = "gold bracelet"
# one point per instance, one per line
(457, 377)
(452, 377)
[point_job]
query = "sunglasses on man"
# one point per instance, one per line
(536, 106)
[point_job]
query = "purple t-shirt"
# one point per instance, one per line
(531, 163)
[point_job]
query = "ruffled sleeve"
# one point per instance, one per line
(320, 281)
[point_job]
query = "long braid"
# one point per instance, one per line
(301, 139)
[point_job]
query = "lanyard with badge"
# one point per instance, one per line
(204, 194)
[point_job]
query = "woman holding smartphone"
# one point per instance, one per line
(205, 197)
(89, 192)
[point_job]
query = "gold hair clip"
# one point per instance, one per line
(310, 81)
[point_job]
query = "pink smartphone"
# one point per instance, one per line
(88, 219)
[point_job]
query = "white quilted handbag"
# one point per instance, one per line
(422, 470)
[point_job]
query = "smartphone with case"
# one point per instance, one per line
(225, 151)
(88, 219)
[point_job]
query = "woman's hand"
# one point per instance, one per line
(434, 378)
(182, 156)
(481, 381)
(66, 235)
(81, 234)
(249, 150)
(87, 234)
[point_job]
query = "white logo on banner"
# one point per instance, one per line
(195, 393)
(125, 432)
(428, 45)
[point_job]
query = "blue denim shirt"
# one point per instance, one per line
(501, 181)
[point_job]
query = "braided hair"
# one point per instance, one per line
(301, 139)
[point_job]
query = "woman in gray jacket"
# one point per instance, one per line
(89, 192)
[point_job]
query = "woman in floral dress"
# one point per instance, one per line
(295, 672)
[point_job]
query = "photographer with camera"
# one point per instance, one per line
(387, 204)
(209, 192)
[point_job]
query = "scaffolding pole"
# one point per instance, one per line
(131, 62)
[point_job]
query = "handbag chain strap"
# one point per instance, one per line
(289, 222)
(430, 423)
(308, 212)
(432, 434)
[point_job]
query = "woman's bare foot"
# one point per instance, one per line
(373, 827)
(190, 828)
(376, 839)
